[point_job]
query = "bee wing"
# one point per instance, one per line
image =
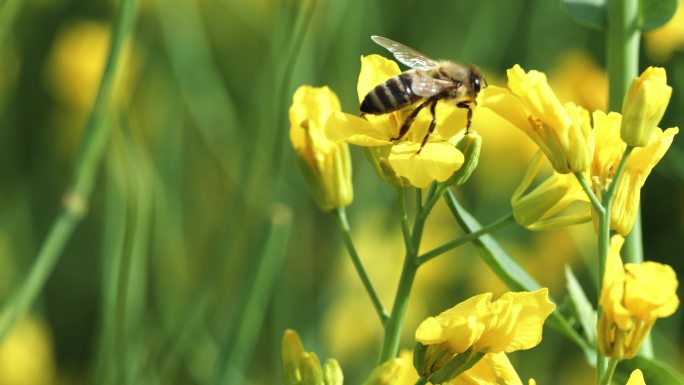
(425, 86)
(406, 55)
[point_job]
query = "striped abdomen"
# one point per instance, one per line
(389, 96)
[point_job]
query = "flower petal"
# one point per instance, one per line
(436, 162)
(375, 69)
(354, 130)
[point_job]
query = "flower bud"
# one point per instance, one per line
(311, 370)
(558, 201)
(644, 106)
(378, 157)
(332, 372)
(470, 146)
(291, 351)
(304, 368)
(326, 164)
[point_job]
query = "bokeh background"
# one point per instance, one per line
(199, 197)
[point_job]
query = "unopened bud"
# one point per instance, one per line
(332, 372)
(291, 350)
(312, 374)
(644, 106)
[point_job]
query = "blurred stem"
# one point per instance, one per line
(497, 224)
(390, 346)
(608, 376)
(406, 232)
(349, 243)
(75, 200)
(235, 353)
(8, 15)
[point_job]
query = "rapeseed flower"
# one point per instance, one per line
(644, 107)
(400, 163)
(326, 164)
(478, 326)
(636, 378)
(609, 151)
(633, 297)
(562, 131)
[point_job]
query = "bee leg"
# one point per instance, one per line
(409, 120)
(433, 123)
(470, 114)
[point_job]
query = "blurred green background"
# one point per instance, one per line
(198, 197)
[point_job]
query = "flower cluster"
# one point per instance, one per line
(565, 135)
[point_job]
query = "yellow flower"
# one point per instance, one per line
(399, 163)
(304, 368)
(558, 201)
(663, 41)
(644, 106)
(388, 373)
(636, 378)
(562, 131)
(326, 164)
(632, 298)
(513, 322)
(609, 150)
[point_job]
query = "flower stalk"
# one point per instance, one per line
(360, 270)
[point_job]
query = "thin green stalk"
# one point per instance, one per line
(390, 345)
(349, 243)
(595, 202)
(608, 375)
(497, 224)
(75, 201)
(406, 232)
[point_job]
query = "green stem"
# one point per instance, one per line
(76, 199)
(349, 243)
(608, 375)
(406, 232)
(390, 345)
(497, 224)
(422, 381)
(622, 48)
(595, 202)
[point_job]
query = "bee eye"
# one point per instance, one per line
(475, 82)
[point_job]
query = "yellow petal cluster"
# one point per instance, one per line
(304, 368)
(633, 297)
(644, 107)
(326, 164)
(609, 151)
(562, 131)
(558, 201)
(513, 322)
(399, 163)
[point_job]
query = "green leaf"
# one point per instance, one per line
(589, 13)
(583, 308)
(514, 276)
(655, 13)
(655, 371)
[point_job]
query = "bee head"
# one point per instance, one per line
(477, 81)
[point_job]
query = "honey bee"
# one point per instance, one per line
(428, 80)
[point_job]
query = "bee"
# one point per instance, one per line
(428, 80)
